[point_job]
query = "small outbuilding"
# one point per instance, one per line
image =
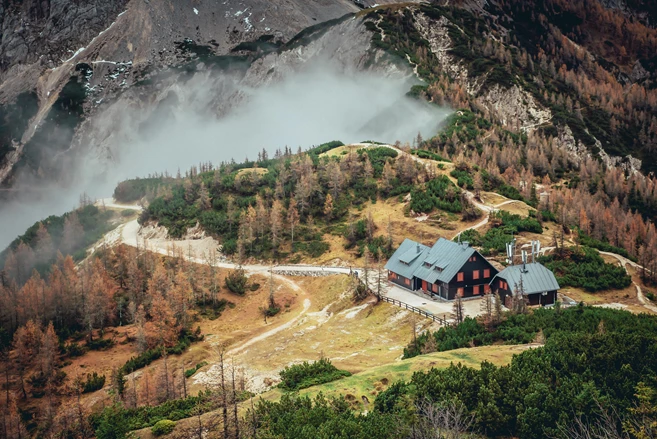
(537, 283)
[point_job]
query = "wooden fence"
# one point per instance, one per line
(411, 308)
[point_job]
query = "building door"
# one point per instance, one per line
(424, 285)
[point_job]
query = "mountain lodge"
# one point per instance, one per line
(449, 269)
(446, 270)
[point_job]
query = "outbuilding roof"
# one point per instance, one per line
(536, 278)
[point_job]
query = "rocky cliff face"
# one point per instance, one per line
(71, 56)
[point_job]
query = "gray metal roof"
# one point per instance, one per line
(406, 252)
(535, 278)
(449, 255)
(407, 261)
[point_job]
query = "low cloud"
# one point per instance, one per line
(306, 108)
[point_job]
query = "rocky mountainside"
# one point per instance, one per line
(64, 64)
(46, 43)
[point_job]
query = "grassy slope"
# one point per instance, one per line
(364, 386)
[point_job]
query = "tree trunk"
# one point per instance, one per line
(236, 418)
(184, 382)
(224, 406)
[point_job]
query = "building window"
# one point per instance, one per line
(475, 274)
(460, 292)
(486, 273)
(459, 277)
(486, 289)
(475, 290)
(407, 282)
(435, 288)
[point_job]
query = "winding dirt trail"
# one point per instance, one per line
(276, 330)
(639, 293)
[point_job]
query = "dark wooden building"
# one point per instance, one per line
(537, 283)
(446, 270)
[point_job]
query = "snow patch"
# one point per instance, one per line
(79, 51)
(196, 11)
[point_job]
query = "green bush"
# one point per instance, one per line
(94, 382)
(163, 427)
(301, 376)
(193, 370)
(439, 193)
(236, 281)
(74, 350)
(100, 344)
(147, 357)
(424, 154)
(519, 224)
(464, 178)
(115, 421)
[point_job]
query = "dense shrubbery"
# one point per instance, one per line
(516, 223)
(300, 376)
(378, 157)
(504, 227)
(523, 328)
(541, 388)
(439, 193)
(236, 281)
(584, 267)
(116, 421)
(588, 241)
(592, 358)
(93, 382)
(134, 190)
(464, 178)
(150, 355)
(100, 344)
(295, 417)
(193, 370)
(163, 427)
(424, 154)
(467, 334)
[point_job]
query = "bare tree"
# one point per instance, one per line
(292, 217)
(445, 420)
(487, 307)
(457, 310)
(519, 300)
(497, 312)
(381, 278)
(605, 426)
(367, 262)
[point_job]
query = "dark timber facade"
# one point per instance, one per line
(445, 270)
(535, 281)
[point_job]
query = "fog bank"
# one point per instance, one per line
(305, 109)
